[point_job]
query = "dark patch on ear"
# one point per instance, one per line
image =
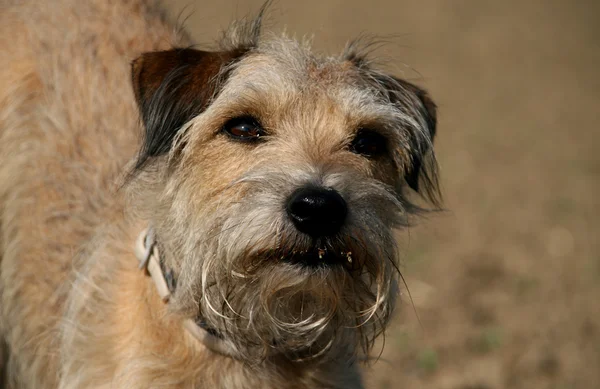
(421, 175)
(171, 87)
(428, 111)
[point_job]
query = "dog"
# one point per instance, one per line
(173, 217)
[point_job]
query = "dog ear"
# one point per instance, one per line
(428, 111)
(171, 87)
(421, 175)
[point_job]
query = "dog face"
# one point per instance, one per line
(274, 179)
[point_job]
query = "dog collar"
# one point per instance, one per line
(146, 250)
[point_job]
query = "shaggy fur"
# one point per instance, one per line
(78, 184)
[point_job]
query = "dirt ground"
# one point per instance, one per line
(506, 282)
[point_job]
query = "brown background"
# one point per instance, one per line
(506, 282)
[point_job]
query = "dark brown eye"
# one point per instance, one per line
(244, 128)
(368, 143)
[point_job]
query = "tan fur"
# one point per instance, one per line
(76, 312)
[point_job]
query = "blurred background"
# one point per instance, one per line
(506, 281)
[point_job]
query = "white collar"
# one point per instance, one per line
(146, 250)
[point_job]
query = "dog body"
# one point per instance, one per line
(238, 146)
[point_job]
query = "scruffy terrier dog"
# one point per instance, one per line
(244, 240)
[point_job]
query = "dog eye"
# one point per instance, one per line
(245, 128)
(368, 143)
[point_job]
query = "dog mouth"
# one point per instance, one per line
(294, 297)
(314, 257)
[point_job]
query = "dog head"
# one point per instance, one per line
(275, 179)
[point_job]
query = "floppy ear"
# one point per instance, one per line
(427, 109)
(171, 87)
(421, 174)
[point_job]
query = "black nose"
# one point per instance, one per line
(317, 211)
